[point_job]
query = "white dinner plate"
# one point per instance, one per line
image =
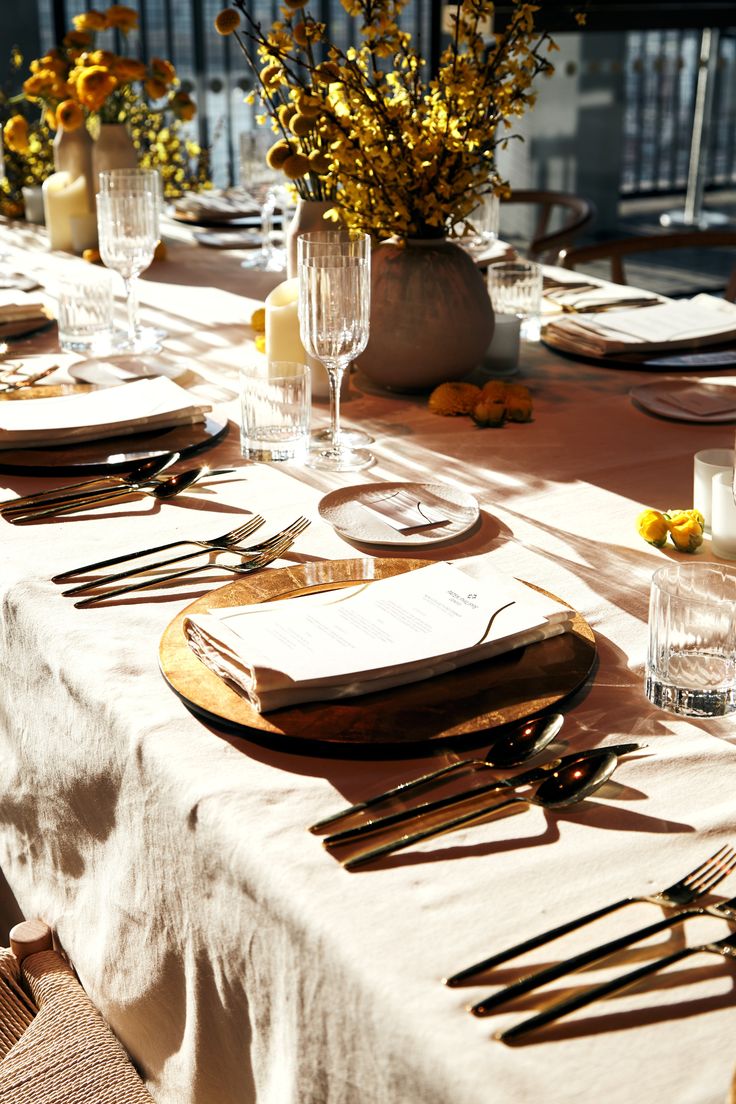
(442, 513)
(712, 399)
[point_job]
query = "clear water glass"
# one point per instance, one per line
(334, 322)
(127, 224)
(275, 403)
(691, 661)
(515, 287)
(85, 314)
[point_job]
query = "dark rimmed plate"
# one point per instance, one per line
(113, 454)
(409, 720)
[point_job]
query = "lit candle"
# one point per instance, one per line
(63, 197)
(723, 516)
(282, 334)
(707, 464)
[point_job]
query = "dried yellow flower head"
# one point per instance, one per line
(227, 21)
(258, 320)
(489, 414)
(454, 398)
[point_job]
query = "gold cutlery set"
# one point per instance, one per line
(146, 478)
(559, 782)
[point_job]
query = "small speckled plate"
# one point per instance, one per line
(350, 510)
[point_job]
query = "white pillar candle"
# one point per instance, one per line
(723, 516)
(63, 197)
(282, 334)
(707, 464)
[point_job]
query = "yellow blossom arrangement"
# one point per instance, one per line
(78, 84)
(404, 154)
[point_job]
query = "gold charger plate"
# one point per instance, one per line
(459, 705)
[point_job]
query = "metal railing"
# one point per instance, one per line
(661, 78)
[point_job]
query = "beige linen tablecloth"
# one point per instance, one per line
(234, 958)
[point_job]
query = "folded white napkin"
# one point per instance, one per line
(109, 412)
(373, 636)
(685, 323)
(15, 309)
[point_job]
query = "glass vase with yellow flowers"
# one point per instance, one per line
(82, 88)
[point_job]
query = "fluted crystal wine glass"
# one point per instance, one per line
(334, 321)
(138, 180)
(127, 227)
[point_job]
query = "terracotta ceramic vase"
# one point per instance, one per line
(114, 149)
(431, 316)
(73, 154)
(308, 216)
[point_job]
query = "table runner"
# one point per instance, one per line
(233, 957)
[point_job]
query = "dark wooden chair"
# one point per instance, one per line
(569, 212)
(617, 250)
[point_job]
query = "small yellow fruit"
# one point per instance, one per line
(652, 526)
(686, 529)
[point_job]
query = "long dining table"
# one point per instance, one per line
(232, 954)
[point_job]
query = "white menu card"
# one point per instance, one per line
(371, 637)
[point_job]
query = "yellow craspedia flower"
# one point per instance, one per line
(454, 398)
(15, 134)
(260, 343)
(91, 256)
(227, 21)
(686, 529)
(301, 126)
(69, 115)
(278, 154)
(296, 165)
(489, 414)
(652, 526)
(122, 18)
(94, 85)
(258, 320)
(518, 409)
(318, 163)
(90, 21)
(493, 391)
